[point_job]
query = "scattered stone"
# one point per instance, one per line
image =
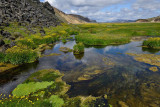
(31, 12)
(53, 54)
(42, 31)
(12, 44)
(1, 42)
(65, 49)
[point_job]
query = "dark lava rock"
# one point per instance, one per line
(31, 12)
(5, 47)
(1, 42)
(5, 34)
(42, 31)
(12, 44)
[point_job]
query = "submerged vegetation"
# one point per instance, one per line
(46, 89)
(151, 59)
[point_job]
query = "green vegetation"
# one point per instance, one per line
(152, 43)
(115, 33)
(17, 55)
(26, 89)
(56, 101)
(102, 39)
(78, 48)
(30, 42)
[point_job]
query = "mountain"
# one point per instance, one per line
(154, 19)
(71, 18)
(122, 21)
(32, 12)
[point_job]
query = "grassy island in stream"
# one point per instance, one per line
(45, 88)
(152, 43)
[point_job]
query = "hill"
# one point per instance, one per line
(154, 19)
(71, 18)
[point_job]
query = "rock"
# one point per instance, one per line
(1, 42)
(16, 35)
(42, 31)
(5, 34)
(32, 12)
(12, 44)
(65, 49)
(5, 47)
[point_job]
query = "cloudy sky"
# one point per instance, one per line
(109, 10)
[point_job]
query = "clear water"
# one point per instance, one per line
(121, 78)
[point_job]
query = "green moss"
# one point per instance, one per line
(28, 88)
(56, 101)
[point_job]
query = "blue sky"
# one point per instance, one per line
(109, 10)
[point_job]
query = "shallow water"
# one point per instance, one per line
(120, 76)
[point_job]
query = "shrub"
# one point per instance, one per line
(78, 48)
(17, 55)
(2, 57)
(26, 42)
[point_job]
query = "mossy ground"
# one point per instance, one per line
(115, 33)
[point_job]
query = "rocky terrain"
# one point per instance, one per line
(31, 12)
(154, 19)
(71, 18)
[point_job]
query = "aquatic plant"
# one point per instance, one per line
(56, 101)
(28, 88)
(152, 43)
(78, 48)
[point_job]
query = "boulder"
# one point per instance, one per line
(1, 42)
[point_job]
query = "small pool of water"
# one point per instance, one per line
(119, 75)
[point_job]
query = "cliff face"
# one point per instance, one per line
(28, 11)
(154, 19)
(71, 18)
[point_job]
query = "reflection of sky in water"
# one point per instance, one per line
(125, 70)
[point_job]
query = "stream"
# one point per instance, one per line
(100, 70)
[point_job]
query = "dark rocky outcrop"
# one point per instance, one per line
(32, 12)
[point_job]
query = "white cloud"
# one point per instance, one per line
(93, 8)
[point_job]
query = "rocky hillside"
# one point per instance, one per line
(31, 12)
(154, 19)
(71, 18)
